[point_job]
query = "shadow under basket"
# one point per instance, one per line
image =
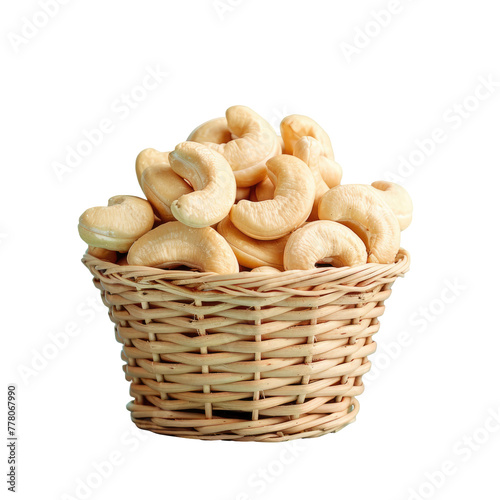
(247, 356)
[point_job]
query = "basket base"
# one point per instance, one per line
(307, 426)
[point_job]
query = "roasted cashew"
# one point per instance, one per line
(162, 186)
(212, 179)
(358, 207)
(308, 149)
(291, 206)
(173, 244)
(251, 252)
(323, 242)
(150, 158)
(117, 226)
(398, 199)
(294, 127)
(254, 143)
(215, 130)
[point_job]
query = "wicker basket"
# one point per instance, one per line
(249, 356)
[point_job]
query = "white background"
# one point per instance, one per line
(433, 392)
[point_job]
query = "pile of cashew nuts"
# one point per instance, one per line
(235, 196)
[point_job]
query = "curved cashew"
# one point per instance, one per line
(162, 186)
(255, 142)
(264, 190)
(118, 225)
(359, 208)
(212, 179)
(323, 241)
(331, 171)
(250, 252)
(215, 130)
(308, 149)
(265, 269)
(398, 199)
(103, 254)
(173, 244)
(290, 207)
(294, 127)
(148, 158)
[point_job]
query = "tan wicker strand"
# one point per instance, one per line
(257, 359)
(248, 356)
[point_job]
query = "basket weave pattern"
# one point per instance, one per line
(246, 357)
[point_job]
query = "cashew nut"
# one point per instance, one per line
(252, 196)
(242, 193)
(148, 158)
(162, 186)
(173, 244)
(294, 127)
(323, 242)
(265, 269)
(264, 190)
(291, 206)
(212, 179)
(308, 149)
(398, 199)
(102, 253)
(215, 130)
(122, 261)
(117, 226)
(254, 143)
(251, 252)
(331, 171)
(359, 208)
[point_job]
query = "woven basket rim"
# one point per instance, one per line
(357, 278)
